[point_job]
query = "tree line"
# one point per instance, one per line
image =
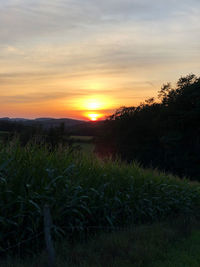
(162, 134)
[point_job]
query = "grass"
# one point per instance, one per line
(83, 193)
(182, 254)
(155, 245)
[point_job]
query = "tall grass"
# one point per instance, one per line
(83, 192)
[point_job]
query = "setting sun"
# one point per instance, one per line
(94, 107)
(94, 116)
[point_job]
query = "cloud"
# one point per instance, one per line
(61, 47)
(36, 97)
(41, 18)
(47, 96)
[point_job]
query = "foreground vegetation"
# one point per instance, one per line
(155, 245)
(85, 194)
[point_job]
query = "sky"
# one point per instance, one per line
(84, 59)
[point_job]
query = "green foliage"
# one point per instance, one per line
(83, 192)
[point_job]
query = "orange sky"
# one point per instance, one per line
(75, 58)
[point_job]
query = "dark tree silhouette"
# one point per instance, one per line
(164, 135)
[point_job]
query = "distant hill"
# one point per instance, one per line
(46, 122)
(73, 127)
(14, 119)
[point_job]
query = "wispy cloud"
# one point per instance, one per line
(37, 97)
(60, 47)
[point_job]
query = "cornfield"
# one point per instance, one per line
(83, 192)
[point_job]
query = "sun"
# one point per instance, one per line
(94, 116)
(93, 107)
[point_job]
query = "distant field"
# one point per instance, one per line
(4, 132)
(81, 138)
(86, 147)
(84, 142)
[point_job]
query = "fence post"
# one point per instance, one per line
(47, 233)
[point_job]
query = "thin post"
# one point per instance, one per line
(48, 239)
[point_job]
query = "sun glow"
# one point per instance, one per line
(93, 116)
(94, 102)
(94, 107)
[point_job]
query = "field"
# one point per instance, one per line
(85, 143)
(86, 195)
(3, 133)
(80, 138)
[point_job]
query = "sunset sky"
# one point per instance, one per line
(74, 58)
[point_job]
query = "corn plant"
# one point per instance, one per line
(83, 193)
